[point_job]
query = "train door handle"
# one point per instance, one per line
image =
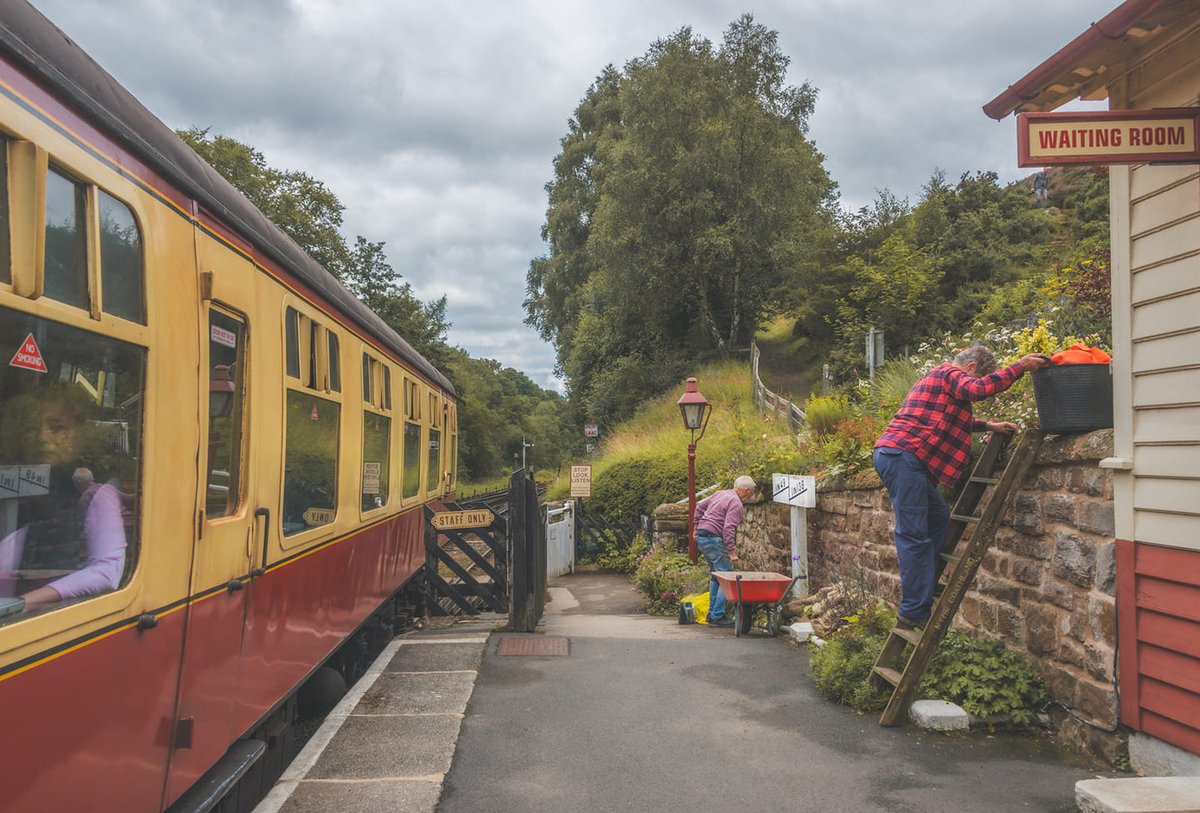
(265, 513)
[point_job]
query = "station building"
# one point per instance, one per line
(1145, 56)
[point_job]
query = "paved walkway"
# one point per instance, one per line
(641, 714)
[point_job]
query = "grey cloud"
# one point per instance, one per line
(437, 125)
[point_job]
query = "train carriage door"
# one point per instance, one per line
(229, 533)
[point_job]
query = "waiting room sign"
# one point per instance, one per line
(1169, 135)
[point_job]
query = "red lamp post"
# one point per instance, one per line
(695, 410)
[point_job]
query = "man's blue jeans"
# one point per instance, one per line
(713, 550)
(921, 519)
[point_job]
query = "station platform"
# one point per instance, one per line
(607, 709)
(388, 744)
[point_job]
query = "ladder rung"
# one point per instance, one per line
(950, 557)
(990, 481)
(912, 636)
(890, 675)
(964, 518)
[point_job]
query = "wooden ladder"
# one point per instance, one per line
(887, 670)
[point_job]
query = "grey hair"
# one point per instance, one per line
(985, 362)
(745, 481)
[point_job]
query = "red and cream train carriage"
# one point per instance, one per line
(213, 459)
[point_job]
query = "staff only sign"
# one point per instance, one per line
(1109, 137)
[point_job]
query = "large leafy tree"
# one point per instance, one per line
(685, 197)
(311, 214)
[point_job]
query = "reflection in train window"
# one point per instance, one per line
(66, 241)
(435, 459)
(412, 460)
(70, 442)
(226, 374)
(310, 462)
(121, 261)
(377, 431)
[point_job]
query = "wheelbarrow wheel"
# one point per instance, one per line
(773, 615)
(744, 619)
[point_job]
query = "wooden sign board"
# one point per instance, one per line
(581, 481)
(1109, 137)
(460, 520)
(319, 516)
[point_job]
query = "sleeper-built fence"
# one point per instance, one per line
(770, 403)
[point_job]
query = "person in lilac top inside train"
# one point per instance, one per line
(83, 530)
(717, 520)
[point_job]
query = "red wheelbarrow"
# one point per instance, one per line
(749, 591)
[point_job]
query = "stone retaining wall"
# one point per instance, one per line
(1047, 586)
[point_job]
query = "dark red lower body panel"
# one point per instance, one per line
(92, 728)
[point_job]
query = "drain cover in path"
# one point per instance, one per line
(535, 645)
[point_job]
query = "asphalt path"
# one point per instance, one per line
(647, 715)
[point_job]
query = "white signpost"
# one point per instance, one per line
(800, 492)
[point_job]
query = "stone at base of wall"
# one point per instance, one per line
(1110, 746)
(939, 715)
(1153, 757)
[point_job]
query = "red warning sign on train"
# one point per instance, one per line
(29, 357)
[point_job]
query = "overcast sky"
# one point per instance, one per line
(436, 123)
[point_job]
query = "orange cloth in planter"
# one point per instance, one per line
(1081, 354)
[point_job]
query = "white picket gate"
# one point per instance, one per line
(560, 540)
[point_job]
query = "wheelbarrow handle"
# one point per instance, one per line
(788, 591)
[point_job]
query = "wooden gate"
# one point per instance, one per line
(595, 533)
(466, 568)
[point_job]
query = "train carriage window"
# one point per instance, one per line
(335, 364)
(70, 451)
(412, 460)
(66, 241)
(120, 261)
(377, 432)
(310, 462)
(291, 320)
(226, 375)
(435, 459)
(5, 225)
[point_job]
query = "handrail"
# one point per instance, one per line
(767, 401)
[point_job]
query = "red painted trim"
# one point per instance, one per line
(1170, 731)
(1172, 598)
(1175, 634)
(1127, 639)
(1172, 702)
(1169, 667)
(1168, 564)
(1113, 26)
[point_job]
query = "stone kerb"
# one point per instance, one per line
(1047, 587)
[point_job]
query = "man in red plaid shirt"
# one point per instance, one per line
(929, 442)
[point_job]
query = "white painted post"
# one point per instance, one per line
(800, 549)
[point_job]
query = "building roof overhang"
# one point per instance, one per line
(1088, 65)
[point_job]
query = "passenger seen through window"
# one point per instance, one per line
(70, 427)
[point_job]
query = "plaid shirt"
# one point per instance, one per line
(936, 420)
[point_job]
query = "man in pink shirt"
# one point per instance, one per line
(717, 519)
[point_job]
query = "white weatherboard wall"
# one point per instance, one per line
(1156, 319)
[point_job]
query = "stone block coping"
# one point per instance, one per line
(1144, 794)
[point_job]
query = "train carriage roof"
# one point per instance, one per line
(50, 55)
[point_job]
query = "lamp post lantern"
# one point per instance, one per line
(695, 410)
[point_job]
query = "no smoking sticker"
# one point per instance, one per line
(29, 357)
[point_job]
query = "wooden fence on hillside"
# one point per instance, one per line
(770, 403)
